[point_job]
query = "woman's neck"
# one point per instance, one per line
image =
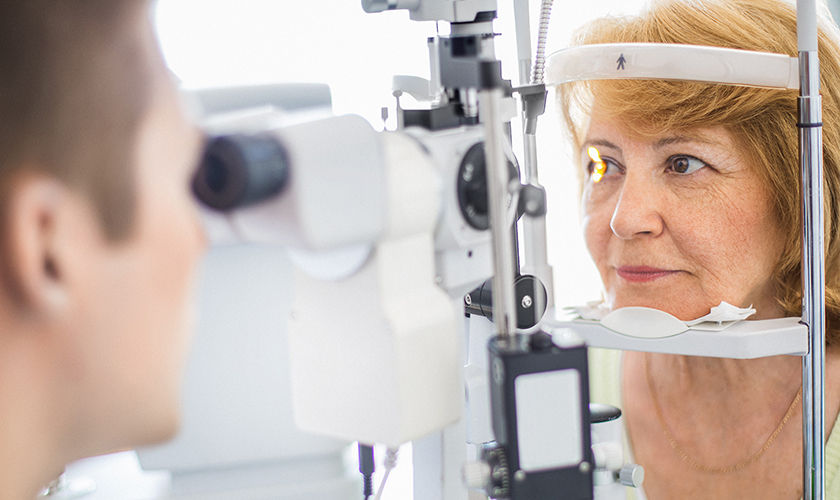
(715, 375)
(745, 396)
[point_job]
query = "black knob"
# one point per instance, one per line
(540, 341)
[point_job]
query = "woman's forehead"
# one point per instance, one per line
(609, 131)
(646, 108)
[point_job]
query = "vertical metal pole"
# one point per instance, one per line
(533, 105)
(498, 194)
(535, 240)
(813, 253)
(522, 19)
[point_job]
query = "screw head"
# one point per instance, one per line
(468, 299)
(519, 475)
(527, 302)
(585, 467)
(469, 171)
(531, 206)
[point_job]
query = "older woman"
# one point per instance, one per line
(696, 201)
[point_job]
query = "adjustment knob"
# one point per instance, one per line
(540, 341)
(632, 475)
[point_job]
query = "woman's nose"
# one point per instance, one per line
(637, 212)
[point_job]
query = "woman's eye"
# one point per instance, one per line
(597, 167)
(598, 170)
(604, 168)
(683, 164)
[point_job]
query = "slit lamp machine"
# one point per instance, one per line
(417, 314)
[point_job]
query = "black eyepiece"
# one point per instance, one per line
(239, 170)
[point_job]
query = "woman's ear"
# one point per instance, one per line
(33, 211)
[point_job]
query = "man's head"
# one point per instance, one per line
(75, 86)
(98, 236)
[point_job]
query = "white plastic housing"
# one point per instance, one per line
(453, 11)
(335, 193)
(463, 254)
(375, 357)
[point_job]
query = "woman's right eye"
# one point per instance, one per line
(598, 170)
(599, 167)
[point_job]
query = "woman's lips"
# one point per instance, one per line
(641, 274)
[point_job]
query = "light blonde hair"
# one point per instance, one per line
(762, 121)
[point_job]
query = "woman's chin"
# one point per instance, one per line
(682, 311)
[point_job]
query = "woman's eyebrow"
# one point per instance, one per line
(600, 142)
(679, 139)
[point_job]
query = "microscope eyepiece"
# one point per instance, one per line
(239, 170)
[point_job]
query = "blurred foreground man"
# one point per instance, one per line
(98, 236)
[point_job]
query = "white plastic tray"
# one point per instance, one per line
(744, 340)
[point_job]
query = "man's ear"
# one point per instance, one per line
(32, 273)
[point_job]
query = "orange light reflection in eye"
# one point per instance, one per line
(600, 165)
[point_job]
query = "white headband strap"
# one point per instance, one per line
(660, 61)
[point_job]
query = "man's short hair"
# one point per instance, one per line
(74, 86)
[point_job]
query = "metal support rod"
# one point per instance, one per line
(498, 194)
(530, 174)
(522, 18)
(535, 240)
(813, 252)
(813, 275)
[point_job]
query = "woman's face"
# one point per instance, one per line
(678, 222)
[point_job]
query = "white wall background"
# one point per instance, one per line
(212, 43)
